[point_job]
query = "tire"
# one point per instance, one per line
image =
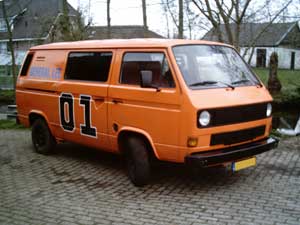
(42, 139)
(138, 164)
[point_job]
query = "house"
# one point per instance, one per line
(32, 21)
(283, 38)
(120, 32)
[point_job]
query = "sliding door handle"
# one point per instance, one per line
(117, 101)
(98, 99)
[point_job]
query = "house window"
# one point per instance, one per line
(89, 66)
(3, 27)
(292, 60)
(7, 47)
(261, 55)
(3, 47)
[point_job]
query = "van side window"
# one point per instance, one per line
(26, 64)
(133, 63)
(89, 66)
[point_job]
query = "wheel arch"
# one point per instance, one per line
(129, 131)
(36, 114)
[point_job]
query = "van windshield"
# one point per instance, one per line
(207, 66)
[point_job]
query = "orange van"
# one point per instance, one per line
(193, 102)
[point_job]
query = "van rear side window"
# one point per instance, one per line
(88, 66)
(26, 64)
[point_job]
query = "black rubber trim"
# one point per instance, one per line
(40, 90)
(204, 159)
(235, 114)
(238, 136)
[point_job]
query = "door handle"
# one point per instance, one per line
(98, 99)
(117, 101)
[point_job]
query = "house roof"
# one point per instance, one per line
(121, 32)
(273, 34)
(123, 43)
(36, 20)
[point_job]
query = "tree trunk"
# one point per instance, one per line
(108, 19)
(180, 17)
(65, 25)
(144, 17)
(274, 85)
(10, 44)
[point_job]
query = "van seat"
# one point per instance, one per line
(130, 73)
(158, 79)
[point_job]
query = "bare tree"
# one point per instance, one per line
(231, 14)
(169, 6)
(165, 9)
(64, 22)
(79, 30)
(66, 27)
(9, 23)
(176, 15)
(220, 12)
(180, 18)
(259, 34)
(144, 6)
(192, 21)
(108, 19)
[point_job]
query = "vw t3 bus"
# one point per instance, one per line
(193, 102)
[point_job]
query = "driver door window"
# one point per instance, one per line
(133, 63)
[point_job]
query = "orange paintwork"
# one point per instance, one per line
(166, 118)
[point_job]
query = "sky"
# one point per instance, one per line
(125, 12)
(129, 12)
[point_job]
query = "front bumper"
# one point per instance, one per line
(215, 157)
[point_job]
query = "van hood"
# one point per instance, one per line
(226, 97)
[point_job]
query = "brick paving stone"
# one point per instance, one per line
(79, 185)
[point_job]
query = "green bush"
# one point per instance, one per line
(7, 97)
(6, 70)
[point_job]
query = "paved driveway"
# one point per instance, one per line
(84, 186)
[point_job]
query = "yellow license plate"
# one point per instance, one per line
(239, 165)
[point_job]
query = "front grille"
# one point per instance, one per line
(237, 114)
(237, 136)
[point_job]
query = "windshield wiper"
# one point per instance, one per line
(203, 83)
(208, 82)
(245, 81)
(241, 81)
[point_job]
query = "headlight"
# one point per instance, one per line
(204, 118)
(269, 109)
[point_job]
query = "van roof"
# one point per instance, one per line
(122, 43)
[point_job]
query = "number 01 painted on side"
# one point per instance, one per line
(67, 119)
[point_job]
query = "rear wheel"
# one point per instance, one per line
(138, 164)
(42, 139)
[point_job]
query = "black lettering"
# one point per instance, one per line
(86, 128)
(66, 99)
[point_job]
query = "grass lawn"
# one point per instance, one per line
(10, 124)
(290, 81)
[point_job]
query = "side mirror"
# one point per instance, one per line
(146, 79)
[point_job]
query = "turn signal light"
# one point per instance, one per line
(192, 142)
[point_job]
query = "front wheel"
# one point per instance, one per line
(42, 139)
(138, 164)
